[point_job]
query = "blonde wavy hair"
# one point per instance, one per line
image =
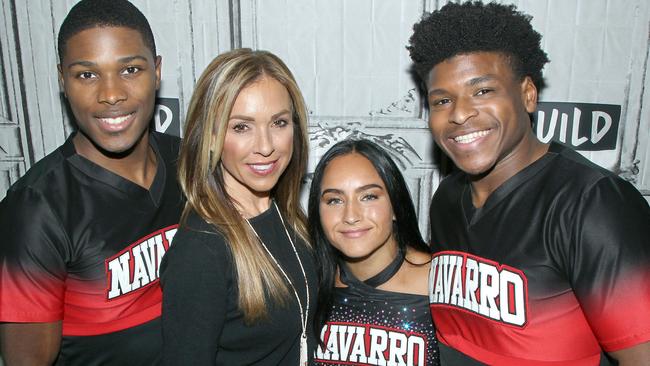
(201, 176)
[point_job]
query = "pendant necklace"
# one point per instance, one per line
(303, 316)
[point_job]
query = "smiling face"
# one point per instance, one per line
(259, 141)
(479, 113)
(110, 78)
(355, 211)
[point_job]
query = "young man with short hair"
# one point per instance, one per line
(85, 229)
(541, 257)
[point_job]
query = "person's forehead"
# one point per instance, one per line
(480, 64)
(89, 38)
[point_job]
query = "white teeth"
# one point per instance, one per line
(261, 168)
(466, 139)
(116, 120)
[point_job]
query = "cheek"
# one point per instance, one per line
(436, 125)
(284, 140)
(328, 219)
(233, 147)
(382, 215)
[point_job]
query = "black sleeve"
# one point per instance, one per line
(195, 275)
(32, 259)
(610, 267)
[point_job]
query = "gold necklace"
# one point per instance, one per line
(303, 316)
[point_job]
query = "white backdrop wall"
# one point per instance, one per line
(351, 63)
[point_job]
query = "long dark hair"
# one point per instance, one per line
(405, 228)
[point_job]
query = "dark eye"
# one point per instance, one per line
(86, 75)
(240, 127)
(483, 91)
(369, 197)
(333, 201)
(131, 70)
(439, 102)
(281, 123)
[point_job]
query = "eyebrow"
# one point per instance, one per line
(472, 82)
(248, 118)
(122, 60)
(362, 188)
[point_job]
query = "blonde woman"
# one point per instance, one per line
(239, 283)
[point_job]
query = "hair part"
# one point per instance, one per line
(469, 27)
(405, 227)
(88, 14)
(201, 175)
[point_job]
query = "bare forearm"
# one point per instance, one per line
(30, 344)
(638, 355)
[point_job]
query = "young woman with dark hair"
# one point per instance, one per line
(373, 264)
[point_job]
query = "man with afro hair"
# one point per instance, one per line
(83, 232)
(541, 257)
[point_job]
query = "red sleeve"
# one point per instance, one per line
(32, 265)
(611, 267)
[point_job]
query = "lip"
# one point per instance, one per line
(115, 122)
(262, 168)
(356, 233)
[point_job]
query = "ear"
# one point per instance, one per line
(529, 94)
(158, 64)
(59, 71)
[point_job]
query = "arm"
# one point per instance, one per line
(638, 355)
(26, 344)
(611, 269)
(32, 280)
(195, 298)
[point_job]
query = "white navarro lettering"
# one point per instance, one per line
(366, 345)
(138, 265)
(481, 287)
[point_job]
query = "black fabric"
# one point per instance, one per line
(569, 241)
(202, 324)
(380, 278)
(369, 326)
(63, 224)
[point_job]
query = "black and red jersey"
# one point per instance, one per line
(369, 326)
(82, 245)
(555, 267)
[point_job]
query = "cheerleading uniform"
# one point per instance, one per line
(553, 269)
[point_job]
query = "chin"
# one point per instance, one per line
(474, 169)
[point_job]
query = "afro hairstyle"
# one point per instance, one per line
(88, 14)
(474, 27)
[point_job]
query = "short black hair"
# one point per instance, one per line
(88, 14)
(474, 27)
(405, 226)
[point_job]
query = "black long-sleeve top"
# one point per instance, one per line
(202, 324)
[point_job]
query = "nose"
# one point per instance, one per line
(111, 91)
(264, 142)
(351, 214)
(462, 111)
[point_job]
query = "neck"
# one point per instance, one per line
(526, 153)
(369, 266)
(138, 164)
(253, 207)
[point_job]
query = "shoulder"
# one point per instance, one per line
(576, 177)
(37, 192)
(450, 187)
(196, 237)
(569, 167)
(197, 251)
(40, 175)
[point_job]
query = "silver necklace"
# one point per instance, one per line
(303, 316)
